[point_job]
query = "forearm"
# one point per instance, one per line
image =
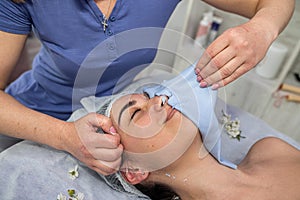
(271, 15)
(21, 122)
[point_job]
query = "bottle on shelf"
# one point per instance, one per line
(216, 23)
(203, 29)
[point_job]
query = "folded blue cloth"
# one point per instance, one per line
(198, 104)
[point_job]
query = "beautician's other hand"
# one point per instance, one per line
(232, 54)
(100, 152)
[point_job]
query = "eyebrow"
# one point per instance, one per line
(130, 103)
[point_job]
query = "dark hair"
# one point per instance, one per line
(157, 191)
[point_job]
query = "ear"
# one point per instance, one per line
(134, 177)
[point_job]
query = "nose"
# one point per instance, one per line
(159, 102)
(163, 100)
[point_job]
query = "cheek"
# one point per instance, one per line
(140, 145)
(161, 150)
(151, 118)
(148, 125)
(144, 122)
(161, 139)
(137, 145)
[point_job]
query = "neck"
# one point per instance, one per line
(106, 6)
(192, 177)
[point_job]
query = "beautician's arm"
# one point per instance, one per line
(97, 151)
(239, 49)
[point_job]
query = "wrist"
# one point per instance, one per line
(263, 29)
(266, 24)
(64, 136)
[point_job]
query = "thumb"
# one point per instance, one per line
(101, 121)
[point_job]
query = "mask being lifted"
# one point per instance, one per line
(198, 104)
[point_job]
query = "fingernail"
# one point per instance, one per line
(203, 84)
(215, 86)
(199, 78)
(112, 130)
(197, 71)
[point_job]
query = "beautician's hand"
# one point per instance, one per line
(232, 54)
(100, 152)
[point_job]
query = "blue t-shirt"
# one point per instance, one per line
(78, 58)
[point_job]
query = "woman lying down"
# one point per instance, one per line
(172, 143)
(152, 132)
(174, 140)
(271, 169)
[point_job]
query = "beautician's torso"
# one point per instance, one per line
(69, 31)
(274, 168)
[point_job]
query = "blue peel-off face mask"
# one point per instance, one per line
(198, 104)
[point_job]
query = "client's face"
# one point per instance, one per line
(147, 125)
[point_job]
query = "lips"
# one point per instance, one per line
(170, 113)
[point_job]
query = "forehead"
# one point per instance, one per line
(123, 100)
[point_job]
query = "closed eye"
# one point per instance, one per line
(134, 113)
(139, 109)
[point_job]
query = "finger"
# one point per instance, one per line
(106, 168)
(236, 74)
(114, 165)
(104, 122)
(103, 141)
(203, 61)
(212, 50)
(100, 121)
(225, 71)
(108, 155)
(217, 62)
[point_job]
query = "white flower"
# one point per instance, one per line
(60, 196)
(232, 127)
(233, 133)
(73, 173)
(226, 118)
(75, 196)
(80, 196)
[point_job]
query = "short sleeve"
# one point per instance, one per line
(14, 17)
